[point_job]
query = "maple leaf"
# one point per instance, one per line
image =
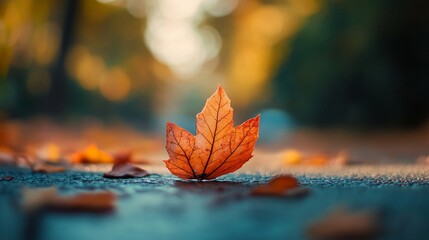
(217, 148)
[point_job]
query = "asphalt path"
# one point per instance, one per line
(165, 207)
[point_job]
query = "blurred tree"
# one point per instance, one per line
(74, 58)
(359, 63)
(58, 92)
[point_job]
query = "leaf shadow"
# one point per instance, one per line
(210, 186)
(221, 192)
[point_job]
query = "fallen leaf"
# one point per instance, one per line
(210, 186)
(278, 186)
(126, 156)
(7, 178)
(47, 168)
(423, 160)
(7, 159)
(345, 224)
(317, 160)
(123, 157)
(48, 198)
(125, 170)
(92, 154)
(35, 199)
(49, 152)
(295, 157)
(341, 159)
(291, 157)
(23, 160)
(218, 147)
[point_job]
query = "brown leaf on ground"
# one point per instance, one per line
(295, 157)
(217, 148)
(423, 160)
(48, 198)
(345, 224)
(123, 157)
(47, 168)
(126, 170)
(7, 178)
(317, 160)
(49, 152)
(91, 154)
(127, 156)
(341, 159)
(285, 186)
(292, 157)
(7, 158)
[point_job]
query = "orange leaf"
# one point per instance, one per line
(47, 168)
(278, 186)
(92, 154)
(126, 170)
(48, 198)
(126, 156)
(342, 223)
(218, 147)
(122, 157)
(50, 153)
(7, 159)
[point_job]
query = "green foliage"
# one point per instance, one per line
(359, 63)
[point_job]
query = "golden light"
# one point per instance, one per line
(179, 9)
(262, 30)
(177, 37)
(49, 152)
(219, 8)
(85, 67)
(305, 7)
(136, 8)
(115, 85)
(46, 42)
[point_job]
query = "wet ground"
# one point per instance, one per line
(164, 207)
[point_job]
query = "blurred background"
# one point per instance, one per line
(359, 65)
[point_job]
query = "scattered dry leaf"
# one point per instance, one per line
(285, 185)
(345, 224)
(423, 160)
(295, 157)
(341, 159)
(24, 161)
(48, 198)
(218, 147)
(317, 160)
(127, 156)
(49, 152)
(123, 157)
(7, 158)
(291, 157)
(92, 154)
(47, 168)
(126, 170)
(7, 178)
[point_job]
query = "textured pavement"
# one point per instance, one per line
(164, 207)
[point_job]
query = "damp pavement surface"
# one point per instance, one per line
(164, 207)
